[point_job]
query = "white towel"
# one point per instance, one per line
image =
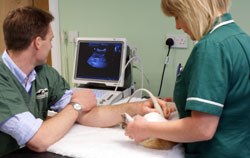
(90, 142)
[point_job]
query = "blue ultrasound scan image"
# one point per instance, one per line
(97, 59)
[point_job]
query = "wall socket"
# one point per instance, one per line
(180, 40)
(72, 35)
(69, 36)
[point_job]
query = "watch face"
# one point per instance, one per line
(77, 107)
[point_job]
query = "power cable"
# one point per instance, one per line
(169, 43)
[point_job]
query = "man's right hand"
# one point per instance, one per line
(84, 97)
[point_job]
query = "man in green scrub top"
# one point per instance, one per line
(29, 88)
(212, 93)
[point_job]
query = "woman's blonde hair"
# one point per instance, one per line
(199, 15)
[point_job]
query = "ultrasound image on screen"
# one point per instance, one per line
(99, 61)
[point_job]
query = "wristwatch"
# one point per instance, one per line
(77, 106)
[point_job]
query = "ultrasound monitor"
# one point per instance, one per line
(100, 61)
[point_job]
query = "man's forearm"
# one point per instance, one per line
(107, 116)
(53, 129)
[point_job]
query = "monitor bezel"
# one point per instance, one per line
(108, 83)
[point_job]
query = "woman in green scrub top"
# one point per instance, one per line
(212, 91)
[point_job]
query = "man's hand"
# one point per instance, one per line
(85, 97)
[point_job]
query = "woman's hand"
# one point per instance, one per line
(148, 106)
(137, 129)
(167, 107)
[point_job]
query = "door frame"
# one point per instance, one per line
(56, 44)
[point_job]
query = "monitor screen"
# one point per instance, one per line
(100, 61)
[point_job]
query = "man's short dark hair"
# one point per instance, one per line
(24, 24)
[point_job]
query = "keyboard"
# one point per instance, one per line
(99, 93)
(107, 97)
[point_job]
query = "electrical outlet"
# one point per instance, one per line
(180, 41)
(64, 37)
(72, 35)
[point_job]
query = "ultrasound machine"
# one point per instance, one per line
(100, 65)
